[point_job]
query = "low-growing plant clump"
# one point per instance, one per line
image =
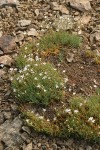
(52, 42)
(39, 82)
(80, 120)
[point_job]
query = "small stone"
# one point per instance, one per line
(70, 57)
(1, 33)
(61, 8)
(54, 146)
(32, 32)
(36, 12)
(26, 129)
(6, 60)
(29, 147)
(1, 119)
(19, 37)
(24, 22)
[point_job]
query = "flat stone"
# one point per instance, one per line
(24, 23)
(7, 43)
(1, 119)
(6, 60)
(81, 5)
(8, 2)
(60, 8)
(32, 32)
(9, 132)
(64, 22)
(29, 147)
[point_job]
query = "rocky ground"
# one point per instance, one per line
(23, 21)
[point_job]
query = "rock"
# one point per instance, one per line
(85, 19)
(26, 129)
(70, 57)
(2, 73)
(81, 5)
(24, 23)
(1, 119)
(7, 115)
(32, 32)
(1, 146)
(61, 8)
(29, 147)
(9, 132)
(1, 33)
(7, 43)
(97, 36)
(19, 37)
(8, 2)
(36, 12)
(64, 22)
(6, 60)
(88, 148)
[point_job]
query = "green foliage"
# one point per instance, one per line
(25, 54)
(91, 54)
(80, 120)
(54, 40)
(38, 82)
(40, 124)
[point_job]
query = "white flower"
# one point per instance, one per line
(11, 78)
(38, 86)
(57, 86)
(44, 110)
(41, 117)
(25, 68)
(45, 90)
(65, 79)
(76, 111)
(30, 59)
(14, 90)
(25, 48)
(64, 71)
(27, 120)
(37, 58)
(35, 64)
(40, 74)
(54, 118)
(11, 69)
(67, 110)
(35, 78)
(44, 77)
(44, 63)
(20, 71)
(48, 120)
(91, 119)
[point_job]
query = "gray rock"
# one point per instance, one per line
(8, 2)
(29, 147)
(24, 23)
(60, 8)
(7, 43)
(1, 118)
(83, 5)
(64, 22)
(32, 32)
(9, 132)
(6, 60)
